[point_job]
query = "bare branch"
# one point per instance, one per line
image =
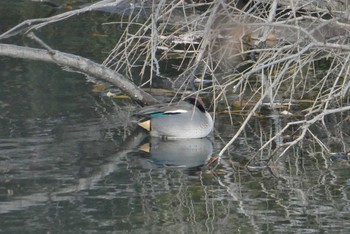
(80, 64)
(34, 24)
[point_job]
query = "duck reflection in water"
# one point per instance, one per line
(180, 153)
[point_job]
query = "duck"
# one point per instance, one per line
(187, 119)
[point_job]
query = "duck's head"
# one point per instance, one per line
(196, 101)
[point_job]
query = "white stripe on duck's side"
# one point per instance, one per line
(178, 111)
(188, 119)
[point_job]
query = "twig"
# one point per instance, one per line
(39, 41)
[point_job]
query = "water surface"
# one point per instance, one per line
(69, 163)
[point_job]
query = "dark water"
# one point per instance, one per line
(69, 164)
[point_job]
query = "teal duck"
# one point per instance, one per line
(187, 119)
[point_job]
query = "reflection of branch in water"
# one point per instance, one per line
(233, 189)
(22, 202)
